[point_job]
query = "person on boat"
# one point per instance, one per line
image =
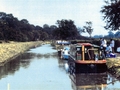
(60, 49)
(112, 44)
(104, 45)
(108, 50)
(100, 43)
(65, 53)
(102, 55)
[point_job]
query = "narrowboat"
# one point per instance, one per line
(86, 58)
(61, 42)
(65, 53)
(63, 49)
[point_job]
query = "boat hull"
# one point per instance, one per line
(86, 67)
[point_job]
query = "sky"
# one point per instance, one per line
(40, 12)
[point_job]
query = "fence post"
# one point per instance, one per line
(8, 86)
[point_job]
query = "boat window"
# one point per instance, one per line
(85, 50)
(72, 50)
(78, 50)
(78, 53)
(92, 52)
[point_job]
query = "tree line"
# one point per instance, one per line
(21, 30)
(18, 30)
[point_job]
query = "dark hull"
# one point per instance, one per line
(90, 68)
(86, 68)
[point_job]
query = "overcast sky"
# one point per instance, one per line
(40, 12)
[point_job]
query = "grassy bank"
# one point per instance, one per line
(113, 65)
(11, 50)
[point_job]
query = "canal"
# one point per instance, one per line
(41, 69)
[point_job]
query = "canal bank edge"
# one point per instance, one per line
(11, 50)
(113, 65)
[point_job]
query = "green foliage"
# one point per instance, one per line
(19, 30)
(88, 28)
(66, 29)
(111, 13)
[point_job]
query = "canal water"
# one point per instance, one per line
(40, 68)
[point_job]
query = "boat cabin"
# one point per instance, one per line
(86, 55)
(61, 45)
(86, 52)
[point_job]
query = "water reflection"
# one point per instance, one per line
(11, 67)
(23, 60)
(47, 55)
(89, 81)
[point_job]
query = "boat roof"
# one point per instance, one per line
(63, 42)
(86, 44)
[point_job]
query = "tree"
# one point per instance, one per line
(13, 29)
(52, 29)
(117, 34)
(111, 13)
(111, 34)
(46, 28)
(80, 30)
(98, 36)
(66, 29)
(25, 21)
(88, 28)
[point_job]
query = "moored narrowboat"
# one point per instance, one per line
(65, 53)
(63, 49)
(86, 58)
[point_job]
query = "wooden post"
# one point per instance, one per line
(83, 53)
(102, 87)
(8, 86)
